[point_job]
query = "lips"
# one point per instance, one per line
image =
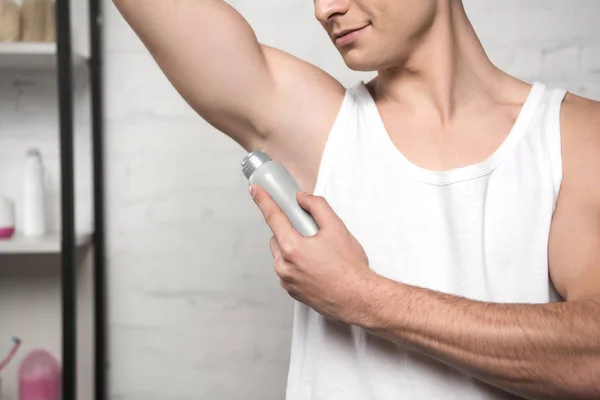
(347, 36)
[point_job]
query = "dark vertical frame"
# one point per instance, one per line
(100, 339)
(67, 172)
(68, 275)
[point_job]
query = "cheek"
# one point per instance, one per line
(406, 18)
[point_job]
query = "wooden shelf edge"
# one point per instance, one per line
(31, 56)
(49, 244)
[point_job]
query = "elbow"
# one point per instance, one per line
(126, 7)
(120, 4)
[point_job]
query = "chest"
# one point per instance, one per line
(483, 238)
(471, 137)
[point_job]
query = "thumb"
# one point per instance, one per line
(319, 208)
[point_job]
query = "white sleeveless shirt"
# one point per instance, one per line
(479, 231)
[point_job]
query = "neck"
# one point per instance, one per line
(447, 69)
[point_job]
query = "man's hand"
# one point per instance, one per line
(329, 272)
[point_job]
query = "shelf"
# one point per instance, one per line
(31, 56)
(50, 244)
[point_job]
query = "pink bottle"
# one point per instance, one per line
(39, 377)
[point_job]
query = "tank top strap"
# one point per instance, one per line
(337, 139)
(552, 131)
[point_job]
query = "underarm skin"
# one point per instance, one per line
(549, 351)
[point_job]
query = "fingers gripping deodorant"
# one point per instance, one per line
(261, 170)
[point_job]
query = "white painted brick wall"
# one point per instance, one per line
(195, 309)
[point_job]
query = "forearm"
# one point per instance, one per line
(538, 351)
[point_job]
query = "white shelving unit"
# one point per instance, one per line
(49, 244)
(49, 298)
(28, 56)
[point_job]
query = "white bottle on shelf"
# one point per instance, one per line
(34, 196)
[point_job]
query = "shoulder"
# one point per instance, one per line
(580, 131)
(581, 113)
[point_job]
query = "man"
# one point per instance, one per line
(467, 197)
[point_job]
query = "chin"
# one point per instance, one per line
(372, 61)
(359, 62)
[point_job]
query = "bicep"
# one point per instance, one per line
(574, 251)
(212, 57)
(574, 246)
(209, 54)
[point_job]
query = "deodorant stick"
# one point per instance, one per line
(261, 170)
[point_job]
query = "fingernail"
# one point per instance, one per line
(304, 193)
(252, 191)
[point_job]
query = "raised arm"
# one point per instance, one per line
(249, 91)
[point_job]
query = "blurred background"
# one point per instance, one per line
(195, 310)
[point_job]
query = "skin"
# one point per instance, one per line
(435, 113)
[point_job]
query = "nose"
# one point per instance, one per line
(326, 9)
